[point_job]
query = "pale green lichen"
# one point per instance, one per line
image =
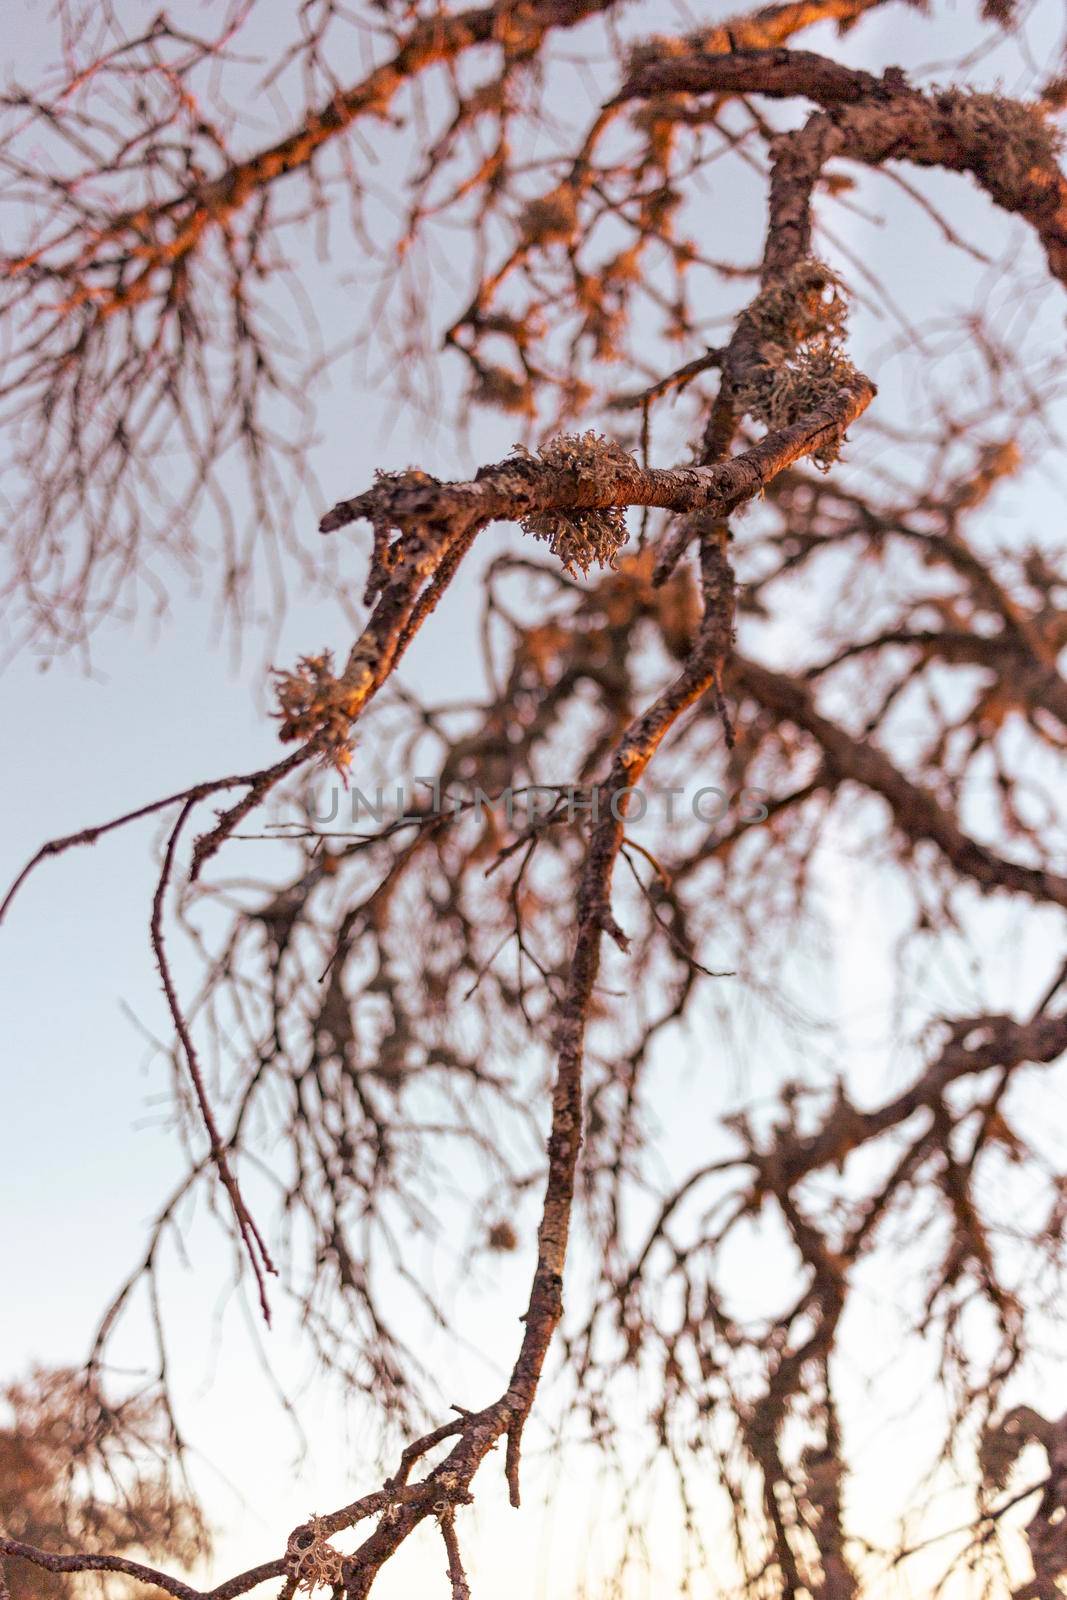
(314, 704)
(797, 325)
(579, 536)
(311, 1562)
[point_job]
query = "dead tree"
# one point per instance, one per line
(842, 650)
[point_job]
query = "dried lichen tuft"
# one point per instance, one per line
(797, 325)
(1013, 136)
(310, 1559)
(801, 385)
(1003, 1442)
(995, 461)
(1054, 94)
(496, 386)
(650, 52)
(580, 537)
(314, 704)
(804, 303)
(549, 217)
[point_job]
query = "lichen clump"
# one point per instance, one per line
(314, 704)
(1013, 136)
(495, 386)
(551, 217)
(579, 536)
(797, 324)
(502, 1237)
(310, 1559)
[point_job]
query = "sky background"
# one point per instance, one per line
(85, 1150)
